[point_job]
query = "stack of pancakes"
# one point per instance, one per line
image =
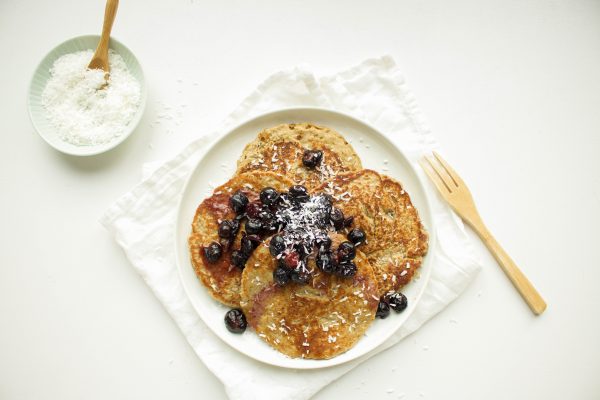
(327, 316)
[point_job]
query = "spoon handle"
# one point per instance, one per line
(109, 16)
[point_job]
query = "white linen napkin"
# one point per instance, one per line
(143, 221)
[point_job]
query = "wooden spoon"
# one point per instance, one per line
(100, 58)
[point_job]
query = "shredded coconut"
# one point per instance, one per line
(82, 111)
(303, 222)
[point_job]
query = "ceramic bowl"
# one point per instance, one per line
(41, 75)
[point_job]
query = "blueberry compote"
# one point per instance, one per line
(299, 225)
(304, 222)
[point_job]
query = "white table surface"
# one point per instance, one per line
(510, 88)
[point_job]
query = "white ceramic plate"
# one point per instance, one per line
(41, 75)
(218, 164)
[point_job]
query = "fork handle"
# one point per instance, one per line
(531, 296)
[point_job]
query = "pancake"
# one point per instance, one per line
(319, 320)
(280, 150)
(396, 238)
(221, 278)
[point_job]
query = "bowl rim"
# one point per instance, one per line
(95, 149)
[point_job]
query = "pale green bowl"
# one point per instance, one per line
(41, 76)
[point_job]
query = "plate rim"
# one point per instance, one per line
(419, 181)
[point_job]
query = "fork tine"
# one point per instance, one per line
(443, 177)
(451, 172)
(435, 177)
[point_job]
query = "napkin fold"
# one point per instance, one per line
(143, 220)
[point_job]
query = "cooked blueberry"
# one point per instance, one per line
(291, 260)
(276, 245)
(248, 244)
(357, 236)
(312, 158)
(284, 198)
(235, 321)
(268, 220)
(299, 193)
(346, 269)
(281, 275)
(268, 196)
(327, 200)
(238, 259)
(238, 201)
(348, 222)
(235, 224)
(270, 226)
(253, 226)
(303, 248)
(346, 251)
(226, 229)
(397, 301)
(254, 209)
(324, 244)
(265, 214)
(383, 309)
(213, 252)
(325, 262)
(322, 217)
(225, 243)
(337, 218)
(300, 275)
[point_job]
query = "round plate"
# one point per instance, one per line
(38, 83)
(217, 166)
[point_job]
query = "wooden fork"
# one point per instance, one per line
(456, 193)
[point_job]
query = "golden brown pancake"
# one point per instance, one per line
(222, 279)
(280, 150)
(396, 238)
(319, 320)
